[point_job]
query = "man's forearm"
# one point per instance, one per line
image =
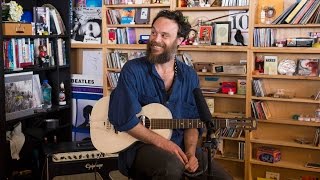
(145, 135)
(191, 140)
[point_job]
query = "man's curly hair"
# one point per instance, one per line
(177, 16)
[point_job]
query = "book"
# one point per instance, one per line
(302, 12)
(112, 35)
(205, 34)
(308, 67)
(127, 15)
(19, 92)
(259, 64)
(270, 65)
(295, 11)
(210, 104)
(86, 91)
(142, 16)
(88, 3)
(41, 18)
(131, 35)
(87, 25)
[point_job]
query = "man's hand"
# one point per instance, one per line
(173, 148)
(192, 164)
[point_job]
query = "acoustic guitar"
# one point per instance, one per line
(155, 117)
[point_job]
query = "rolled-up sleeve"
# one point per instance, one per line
(124, 105)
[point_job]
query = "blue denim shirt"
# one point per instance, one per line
(139, 84)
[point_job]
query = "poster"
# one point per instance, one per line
(86, 91)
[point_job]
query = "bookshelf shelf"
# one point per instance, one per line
(228, 158)
(213, 48)
(127, 46)
(233, 8)
(237, 96)
(285, 50)
(283, 164)
(290, 122)
(233, 139)
(113, 70)
(284, 143)
(228, 115)
(217, 74)
(119, 6)
(310, 78)
(86, 46)
(129, 25)
(294, 100)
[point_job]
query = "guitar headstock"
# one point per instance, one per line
(242, 123)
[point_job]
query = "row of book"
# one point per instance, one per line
(113, 78)
(316, 140)
(48, 21)
(117, 59)
(229, 132)
(270, 65)
(264, 37)
(125, 35)
(234, 155)
(235, 3)
(300, 12)
(260, 110)
(20, 53)
(128, 16)
(258, 89)
(114, 2)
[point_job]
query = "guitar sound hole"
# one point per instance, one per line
(144, 120)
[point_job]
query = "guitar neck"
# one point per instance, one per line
(194, 123)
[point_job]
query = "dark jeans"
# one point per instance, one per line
(154, 163)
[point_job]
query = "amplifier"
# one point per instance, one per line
(68, 161)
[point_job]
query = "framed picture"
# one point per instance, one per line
(222, 32)
(205, 35)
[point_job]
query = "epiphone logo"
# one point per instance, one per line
(92, 166)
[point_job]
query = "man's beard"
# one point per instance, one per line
(165, 56)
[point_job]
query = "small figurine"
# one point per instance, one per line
(43, 56)
(62, 95)
(157, 1)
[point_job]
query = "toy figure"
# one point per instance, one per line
(43, 56)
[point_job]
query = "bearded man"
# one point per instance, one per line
(160, 78)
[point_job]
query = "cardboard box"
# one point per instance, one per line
(268, 154)
(16, 28)
(241, 86)
(229, 69)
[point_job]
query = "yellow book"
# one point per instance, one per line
(295, 11)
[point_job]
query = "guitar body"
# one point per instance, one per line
(107, 140)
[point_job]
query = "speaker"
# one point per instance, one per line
(88, 169)
(76, 161)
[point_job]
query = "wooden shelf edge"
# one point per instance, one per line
(236, 96)
(284, 143)
(286, 50)
(86, 46)
(213, 48)
(284, 164)
(294, 100)
(217, 8)
(264, 76)
(220, 157)
(137, 5)
(289, 122)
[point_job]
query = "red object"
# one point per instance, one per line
(268, 154)
(229, 86)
